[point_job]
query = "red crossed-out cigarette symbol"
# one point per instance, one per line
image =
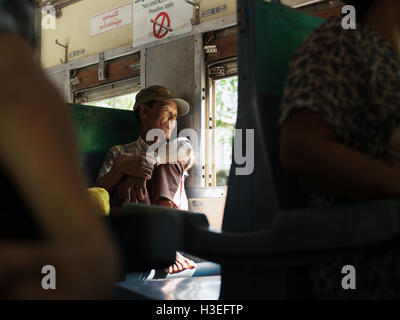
(161, 25)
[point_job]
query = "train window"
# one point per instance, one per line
(115, 87)
(221, 113)
(221, 118)
(221, 104)
(124, 102)
(118, 95)
(226, 103)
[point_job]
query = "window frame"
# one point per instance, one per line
(226, 58)
(107, 91)
(121, 72)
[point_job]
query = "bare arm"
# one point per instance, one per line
(310, 148)
(133, 165)
(38, 149)
(110, 180)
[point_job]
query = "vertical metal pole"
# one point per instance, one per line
(206, 127)
(143, 68)
(199, 108)
(213, 136)
(68, 87)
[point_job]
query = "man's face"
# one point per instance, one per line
(163, 116)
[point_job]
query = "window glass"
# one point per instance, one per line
(226, 105)
(124, 102)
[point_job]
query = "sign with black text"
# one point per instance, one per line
(160, 19)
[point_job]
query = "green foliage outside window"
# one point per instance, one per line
(226, 95)
(125, 102)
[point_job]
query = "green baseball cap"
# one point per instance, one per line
(160, 93)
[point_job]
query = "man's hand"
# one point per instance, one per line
(131, 189)
(181, 264)
(137, 189)
(134, 165)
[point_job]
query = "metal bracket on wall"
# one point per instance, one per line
(196, 19)
(66, 52)
(102, 67)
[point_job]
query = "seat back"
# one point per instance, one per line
(98, 129)
(274, 51)
(269, 35)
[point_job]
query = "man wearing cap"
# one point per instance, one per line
(129, 176)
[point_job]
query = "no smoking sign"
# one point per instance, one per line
(154, 20)
(161, 25)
